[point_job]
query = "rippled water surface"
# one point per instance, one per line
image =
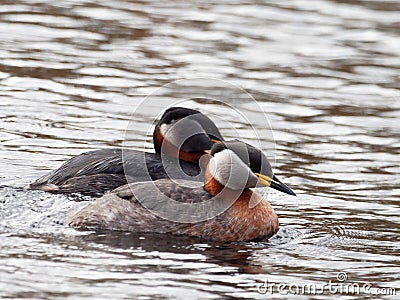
(325, 72)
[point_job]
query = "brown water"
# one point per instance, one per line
(325, 72)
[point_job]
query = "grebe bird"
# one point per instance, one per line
(181, 133)
(233, 168)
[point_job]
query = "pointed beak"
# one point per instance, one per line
(215, 141)
(280, 186)
(275, 183)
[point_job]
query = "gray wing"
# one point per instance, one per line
(95, 172)
(89, 163)
(89, 185)
(122, 210)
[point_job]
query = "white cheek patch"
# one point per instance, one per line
(164, 128)
(179, 131)
(229, 170)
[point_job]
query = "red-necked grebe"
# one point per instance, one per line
(181, 132)
(233, 168)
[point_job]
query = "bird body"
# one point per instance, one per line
(181, 133)
(121, 210)
(224, 209)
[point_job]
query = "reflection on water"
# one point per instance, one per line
(326, 73)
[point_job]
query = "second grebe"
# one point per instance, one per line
(233, 168)
(181, 133)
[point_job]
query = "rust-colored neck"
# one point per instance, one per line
(158, 139)
(244, 222)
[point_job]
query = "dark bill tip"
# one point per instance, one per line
(280, 186)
